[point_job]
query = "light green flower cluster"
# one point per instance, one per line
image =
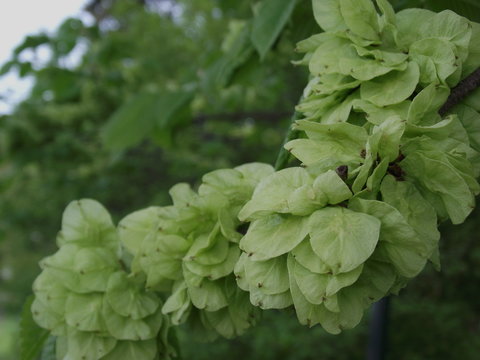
(87, 300)
(189, 250)
(381, 166)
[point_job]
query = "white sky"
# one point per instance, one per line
(19, 18)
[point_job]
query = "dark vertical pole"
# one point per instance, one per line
(377, 340)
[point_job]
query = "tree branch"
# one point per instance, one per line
(257, 115)
(461, 91)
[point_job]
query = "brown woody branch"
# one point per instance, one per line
(461, 91)
(267, 116)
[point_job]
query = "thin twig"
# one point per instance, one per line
(257, 115)
(461, 91)
(284, 156)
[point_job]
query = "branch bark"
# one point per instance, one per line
(257, 115)
(461, 91)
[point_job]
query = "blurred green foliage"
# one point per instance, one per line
(156, 92)
(155, 99)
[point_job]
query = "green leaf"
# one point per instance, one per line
(128, 350)
(127, 328)
(328, 145)
(387, 11)
(49, 291)
(390, 133)
(351, 136)
(233, 320)
(470, 120)
(214, 271)
(227, 182)
(84, 312)
(88, 345)
(161, 257)
(49, 349)
(271, 194)
(440, 179)
(373, 182)
(239, 271)
(361, 18)
(129, 299)
(442, 54)
(392, 88)
(426, 104)
(376, 115)
(178, 304)
(473, 100)
(67, 36)
(473, 59)
(32, 42)
(82, 270)
(376, 281)
(332, 187)
(182, 195)
(307, 313)
(87, 222)
(340, 281)
(318, 287)
(362, 173)
(306, 257)
(140, 116)
(399, 243)
(269, 22)
(274, 235)
(7, 67)
(209, 249)
(388, 58)
(172, 111)
(270, 276)
(49, 318)
(447, 135)
(266, 301)
(337, 55)
(310, 314)
(135, 227)
(311, 43)
(327, 14)
(341, 238)
(132, 122)
(451, 27)
(220, 73)
(407, 24)
(210, 295)
(255, 172)
(468, 8)
(32, 337)
(405, 197)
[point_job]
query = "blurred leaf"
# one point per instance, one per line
(25, 69)
(32, 337)
(48, 352)
(31, 41)
(64, 84)
(131, 122)
(269, 22)
(220, 72)
(168, 104)
(468, 8)
(173, 109)
(7, 67)
(67, 36)
(303, 23)
(144, 113)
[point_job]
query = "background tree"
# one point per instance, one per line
(161, 91)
